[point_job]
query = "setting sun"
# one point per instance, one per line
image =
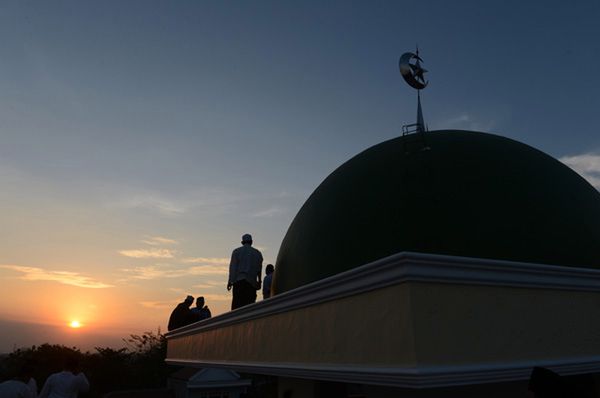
(75, 324)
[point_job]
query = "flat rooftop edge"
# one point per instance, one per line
(409, 267)
(414, 296)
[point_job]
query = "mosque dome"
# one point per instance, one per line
(449, 192)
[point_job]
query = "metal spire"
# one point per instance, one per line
(413, 74)
(420, 120)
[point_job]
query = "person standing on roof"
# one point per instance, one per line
(269, 269)
(245, 271)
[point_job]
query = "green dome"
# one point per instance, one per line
(465, 194)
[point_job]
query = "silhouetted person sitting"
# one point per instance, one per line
(182, 315)
(201, 311)
(269, 269)
(244, 273)
(544, 383)
(66, 384)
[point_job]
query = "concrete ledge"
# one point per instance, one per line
(425, 377)
(411, 320)
(406, 267)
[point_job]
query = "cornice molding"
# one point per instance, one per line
(421, 377)
(408, 267)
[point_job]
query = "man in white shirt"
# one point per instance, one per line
(16, 389)
(244, 273)
(66, 384)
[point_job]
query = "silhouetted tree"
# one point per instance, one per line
(139, 365)
(147, 354)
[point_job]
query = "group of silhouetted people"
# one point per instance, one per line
(65, 384)
(184, 315)
(245, 269)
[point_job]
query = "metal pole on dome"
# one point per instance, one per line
(413, 74)
(420, 120)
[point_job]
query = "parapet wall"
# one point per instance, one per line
(411, 320)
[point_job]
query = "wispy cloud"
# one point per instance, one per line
(207, 285)
(270, 212)
(147, 253)
(587, 165)
(161, 272)
(207, 260)
(216, 199)
(283, 194)
(217, 297)
(159, 305)
(170, 304)
(148, 272)
(206, 270)
(64, 277)
(154, 202)
(159, 240)
(468, 122)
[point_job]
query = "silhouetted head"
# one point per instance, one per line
(71, 363)
(246, 239)
(544, 383)
(189, 300)
(270, 269)
(25, 372)
(200, 302)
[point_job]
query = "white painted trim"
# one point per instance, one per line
(397, 269)
(408, 267)
(422, 377)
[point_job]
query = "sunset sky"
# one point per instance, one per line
(141, 139)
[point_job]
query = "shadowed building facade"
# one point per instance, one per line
(447, 262)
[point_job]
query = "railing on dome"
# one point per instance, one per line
(417, 140)
(412, 128)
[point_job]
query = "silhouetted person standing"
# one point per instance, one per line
(201, 311)
(244, 273)
(182, 315)
(269, 269)
(66, 384)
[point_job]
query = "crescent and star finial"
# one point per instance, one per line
(413, 73)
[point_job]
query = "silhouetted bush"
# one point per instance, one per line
(141, 364)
